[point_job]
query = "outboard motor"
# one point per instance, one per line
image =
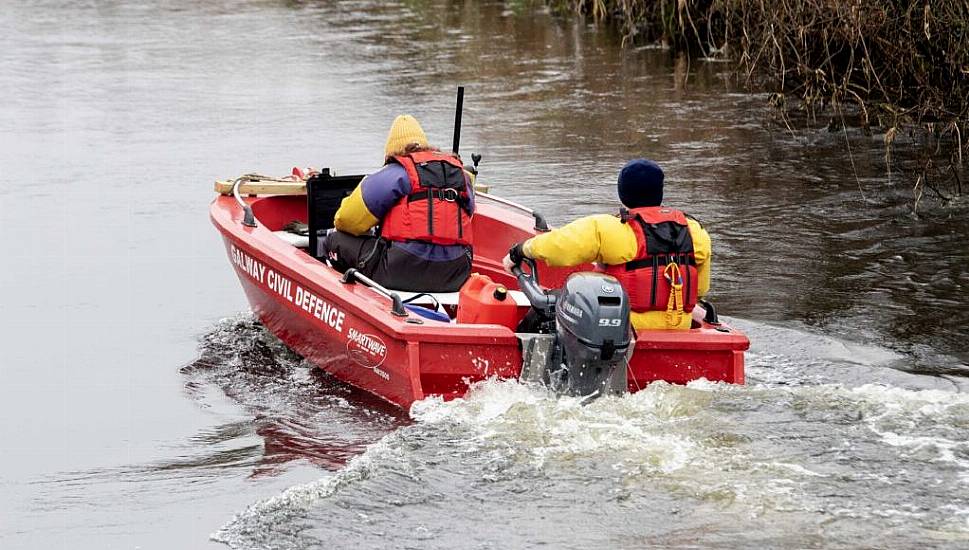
(588, 338)
(592, 328)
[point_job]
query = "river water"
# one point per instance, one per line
(141, 406)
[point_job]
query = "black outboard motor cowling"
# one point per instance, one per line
(594, 335)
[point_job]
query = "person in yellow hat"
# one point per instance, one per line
(659, 254)
(408, 225)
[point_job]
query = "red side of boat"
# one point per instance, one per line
(348, 330)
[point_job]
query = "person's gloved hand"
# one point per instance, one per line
(514, 257)
(507, 264)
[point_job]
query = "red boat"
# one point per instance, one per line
(362, 334)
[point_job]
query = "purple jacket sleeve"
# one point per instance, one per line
(382, 189)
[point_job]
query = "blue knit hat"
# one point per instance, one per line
(641, 184)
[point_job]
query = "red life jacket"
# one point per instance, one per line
(664, 268)
(438, 208)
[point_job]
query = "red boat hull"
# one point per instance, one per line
(348, 330)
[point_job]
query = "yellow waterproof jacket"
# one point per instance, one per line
(604, 239)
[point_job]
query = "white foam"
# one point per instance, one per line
(899, 417)
(262, 516)
(638, 433)
(664, 432)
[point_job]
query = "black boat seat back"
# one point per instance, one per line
(324, 193)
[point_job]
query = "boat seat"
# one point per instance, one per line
(451, 298)
(299, 241)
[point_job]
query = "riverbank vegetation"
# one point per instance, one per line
(886, 66)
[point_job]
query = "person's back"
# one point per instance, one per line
(421, 205)
(661, 256)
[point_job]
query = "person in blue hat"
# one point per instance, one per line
(659, 254)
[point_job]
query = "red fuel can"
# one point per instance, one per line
(483, 301)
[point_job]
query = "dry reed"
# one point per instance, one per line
(895, 64)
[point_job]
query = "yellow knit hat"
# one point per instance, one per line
(403, 132)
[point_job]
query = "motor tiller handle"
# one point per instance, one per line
(528, 283)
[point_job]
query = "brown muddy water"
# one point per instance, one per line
(142, 407)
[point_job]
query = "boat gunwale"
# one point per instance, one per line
(226, 215)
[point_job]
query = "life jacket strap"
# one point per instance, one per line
(661, 259)
(448, 195)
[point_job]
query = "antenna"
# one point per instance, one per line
(457, 120)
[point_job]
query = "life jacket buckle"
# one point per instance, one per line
(449, 195)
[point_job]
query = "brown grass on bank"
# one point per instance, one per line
(902, 64)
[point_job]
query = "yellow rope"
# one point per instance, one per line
(674, 307)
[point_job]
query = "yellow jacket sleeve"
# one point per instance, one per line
(703, 250)
(353, 216)
(601, 238)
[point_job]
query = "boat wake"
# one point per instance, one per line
(300, 412)
(804, 464)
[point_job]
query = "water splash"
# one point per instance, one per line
(728, 458)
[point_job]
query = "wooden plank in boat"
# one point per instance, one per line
(279, 187)
(263, 187)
